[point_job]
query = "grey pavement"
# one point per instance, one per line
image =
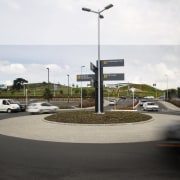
(36, 128)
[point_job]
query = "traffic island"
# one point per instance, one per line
(89, 117)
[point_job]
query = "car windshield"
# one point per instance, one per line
(32, 104)
(11, 101)
(46, 104)
(151, 103)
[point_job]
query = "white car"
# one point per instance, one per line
(8, 105)
(150, 106)
(142, 102)
(41, 107)
(112, 102)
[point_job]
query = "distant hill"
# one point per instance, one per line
(37, 89)
(142, 90)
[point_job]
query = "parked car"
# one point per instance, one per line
(150, 106)
(41, 107)
(8, 105)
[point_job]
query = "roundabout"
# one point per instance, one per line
(37, 128)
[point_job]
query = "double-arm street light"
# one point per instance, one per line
(100, 16)
(81, 86)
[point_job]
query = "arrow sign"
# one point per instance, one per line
(113, 77)
(93, 67)
(85, 77)
(106, 77)
(112, 62)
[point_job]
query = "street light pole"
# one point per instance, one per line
(133, 90)
(99, 68)
(99, 74)
(26, 93)
(167, 86)
(81, 86)
(48, 77)
(68, 87)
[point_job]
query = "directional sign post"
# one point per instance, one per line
(113, 62)
(85, 77)
(93, 67)
(103, 77)
(113, 77)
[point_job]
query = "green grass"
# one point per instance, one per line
(88, 117)
(37, 89)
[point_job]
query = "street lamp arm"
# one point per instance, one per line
(98, 12)
(86, 9)
(89, 10)
(109, 6)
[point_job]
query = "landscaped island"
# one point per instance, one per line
(89, 117)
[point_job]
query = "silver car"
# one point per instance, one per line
(41, 107)
(150, 106)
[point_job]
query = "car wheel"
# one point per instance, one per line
(9, 110)
(41, 111)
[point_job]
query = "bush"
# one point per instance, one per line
(87, 103)
(88, 117)
(175, 102)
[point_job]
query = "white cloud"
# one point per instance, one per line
(8, 83)
(7, 68)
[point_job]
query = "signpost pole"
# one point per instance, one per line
(133, 90)
(99, 78)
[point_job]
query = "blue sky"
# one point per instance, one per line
(36, 34)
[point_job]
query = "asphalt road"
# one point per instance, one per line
(27, 159)
(4, 115)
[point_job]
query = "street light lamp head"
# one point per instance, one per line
(109, 6)
(86, 9)
(101, 16)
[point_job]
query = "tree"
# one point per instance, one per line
(18, 83)
(61, 92)
(178, 92)
(84, 93)
(47, 94)
(172, 93)
(77, 91)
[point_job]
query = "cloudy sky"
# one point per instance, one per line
(35, 34)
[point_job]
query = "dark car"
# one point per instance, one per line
(21, 105)
(172, 134)
(122, 97)
(171, 144)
